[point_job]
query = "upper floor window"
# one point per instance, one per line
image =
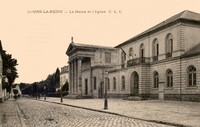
(114, 83)
(142, 50)
(192, 76)
(169, 77)
(123, 82)
(131, 52)
(155, 80)
(108, 57)
(123, 59)
(142, 59)
(169, 45)
(155, 49)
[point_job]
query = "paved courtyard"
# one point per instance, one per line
(33, 113)
(171, 112)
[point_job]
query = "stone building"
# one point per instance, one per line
(87, 65)
(162, 62)
(64, 75)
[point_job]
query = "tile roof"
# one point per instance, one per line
(184, 15)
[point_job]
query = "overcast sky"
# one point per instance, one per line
(39, 40)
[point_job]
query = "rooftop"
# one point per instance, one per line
(73, 46)
(182, 16)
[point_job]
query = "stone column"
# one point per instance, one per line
(75, 76)
(71, 77)
(79, 76)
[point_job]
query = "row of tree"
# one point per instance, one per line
(47, 86)
(10, 73)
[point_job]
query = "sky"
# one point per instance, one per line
(38, 38)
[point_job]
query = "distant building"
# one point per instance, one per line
(162, 62)
(64, 75)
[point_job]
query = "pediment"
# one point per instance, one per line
(70, 48)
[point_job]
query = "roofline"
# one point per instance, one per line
(87, 47)
(141, 35)
(93, 46)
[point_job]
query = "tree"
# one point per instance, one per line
(65, 87)
(57, 78)
(9, 67)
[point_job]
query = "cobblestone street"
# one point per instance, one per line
(35, 113)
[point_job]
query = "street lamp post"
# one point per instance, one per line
(106, 96)
(45, 92)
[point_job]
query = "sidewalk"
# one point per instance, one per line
(169, 112)
(10, 115)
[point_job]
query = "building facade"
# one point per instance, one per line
(163, 62)
(87, 65)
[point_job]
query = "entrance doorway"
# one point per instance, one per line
(134, 84)
(86, 86)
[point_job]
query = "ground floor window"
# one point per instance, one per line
(155, 80)
(95, 83)
(192, 76)
(123, 82)
(169, 76)
(114, 83)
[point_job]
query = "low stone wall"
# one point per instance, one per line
(153, 96)
(178, 97)
(118, 95)
(191, 97)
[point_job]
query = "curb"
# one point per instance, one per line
(20, 115)
(112, 113)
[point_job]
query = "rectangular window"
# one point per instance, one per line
(108, 57)
(95, 83)
(86, 86)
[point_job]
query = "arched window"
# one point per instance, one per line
(131, 52)
(169, 45)
(142, 60)
(108, 84)
(155, 49)
(142, 50)
(169, 78)
(114, 83)
(192, 76)
(155, 79)
(123, 59)
(123, 83)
